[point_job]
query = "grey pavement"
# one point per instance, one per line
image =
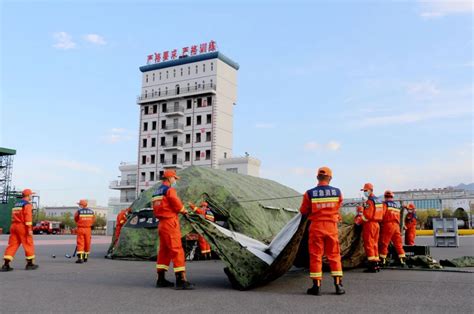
(110, 286)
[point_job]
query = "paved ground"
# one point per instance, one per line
(107, 286)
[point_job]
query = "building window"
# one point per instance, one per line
(208, 154)
(142, 190)
(142, 177)
(198, 137)
(209, 101)
(162, 141)
(208, 136)
(164, 106)
(199, 102)
(146, 78)
(196, 70)
(188, 138)
(198, 155)
(234, 170)
(225, 155)
(189, 103)
(188, 87)
(189, 70)
(145, 126)
(153, 77)
(211, 83)
(152, 159)
(153, 125)
(155, 109)
(152, 176)
(159, 91)
(166, 90)
(143, 159)
(174, 72)
(160, 76)
(212, 66)
(204, 67)
(198, 120)
(209, 119)
(153, 142)
(166, 74)
(187, 156)
(144, 143)
(203, 85)
(146, 95)
(163, 124)
(177, 89)
(145, 110)
(181, 71)
(195, 87)
(161, 173)
(162, 158)
(188, 121)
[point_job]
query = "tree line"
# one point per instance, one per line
(67, 220)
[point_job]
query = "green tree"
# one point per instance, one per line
(447, 213)
(40, 215)
(100, 222)
(68, 221)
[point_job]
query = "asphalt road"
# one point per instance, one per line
(106, 286)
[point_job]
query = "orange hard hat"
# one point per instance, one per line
(170, 174)
(388, 194)
(82, 203)
(325, 171)
(367, 186)
(411, 206)
(204, 204)
(27, 192)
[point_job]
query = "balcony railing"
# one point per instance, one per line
(175, 92)
(172, 144)
(174, 126)
(123, 183)
(174, 110)
(177, 163)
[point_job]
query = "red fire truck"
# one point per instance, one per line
(47, 227)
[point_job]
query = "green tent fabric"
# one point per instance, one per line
(464, 261)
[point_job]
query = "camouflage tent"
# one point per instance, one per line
(259, 234)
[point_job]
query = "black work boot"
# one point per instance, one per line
(338, 285)
(377, 266)
(383, 261)
(182, 283)
(162, 282)
(371, 268)
(30, 265)
(6, 266)
(403, 262)
(315, 289)
(80, 259)
(86, 256)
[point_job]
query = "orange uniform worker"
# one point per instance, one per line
(391, 229)
(121, 220)
(21, 233)
(84, 218)
(205, 212)
(321, 205)
(166, 207)
(371, 216)
(410, 225)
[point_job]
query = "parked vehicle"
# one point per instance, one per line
(47, 227)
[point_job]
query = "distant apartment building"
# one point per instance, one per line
(57, 211)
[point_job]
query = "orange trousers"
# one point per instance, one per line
(118, 229)
(83, 240)
(19, 235)
(171, 248)
(324, 240)
(370, 235)
(410, 235)
(391, 233)
(203, 245)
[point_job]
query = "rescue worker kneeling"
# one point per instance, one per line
(321, 205)
(391, 230)
(166, 207)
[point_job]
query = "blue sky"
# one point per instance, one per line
(378, 91)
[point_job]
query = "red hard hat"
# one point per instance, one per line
(170, 174)
(204, 204)
(27, 192)
(325, 171)
(368, 186)
(82, 203)
(388, 194)
(411, 206)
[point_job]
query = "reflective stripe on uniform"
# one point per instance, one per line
(80, 252)
(28, 223)
(182, 210)
(178, 269)
(325, 199)
(161, 266)
(86, 216)
(393, 209)
(8, 257)
(206, 251)
(383, 256)
(372, 258)
(315, 275)
(157, 198)
(402, 255)
(336, 273)
(363, 218)
(30, 257)
(17, 208)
